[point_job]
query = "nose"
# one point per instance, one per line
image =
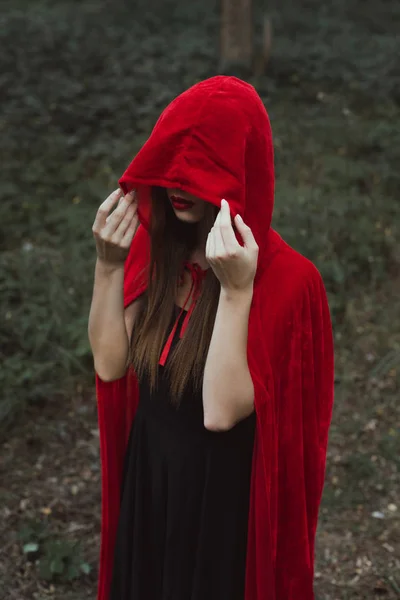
(181, 194)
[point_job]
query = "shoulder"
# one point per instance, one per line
(289, 277)
(291, 297)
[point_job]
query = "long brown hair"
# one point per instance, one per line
(172, 242)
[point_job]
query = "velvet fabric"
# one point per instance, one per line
(215, 141)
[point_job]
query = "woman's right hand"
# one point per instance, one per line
(113, 233)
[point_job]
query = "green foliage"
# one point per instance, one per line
(82, 90)
(43, 338)
(336, 45)
(359, 467)
(33, 533)
(57, 560)
(62, 559)
(389, 447)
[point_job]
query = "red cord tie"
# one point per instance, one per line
(198, 276)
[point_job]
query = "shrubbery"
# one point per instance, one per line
(83, 88)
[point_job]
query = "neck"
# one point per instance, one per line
(199, 256)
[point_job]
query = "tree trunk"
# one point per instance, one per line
(236, 34)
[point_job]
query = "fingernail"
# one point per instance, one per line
(239, 218)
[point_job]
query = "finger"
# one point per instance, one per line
(131, 193)
(228, 235)
(208, 244)
(211, 245)
(130, 232)
(217, 220)
(115, 218)
(219, 246)
(105, 207)
(125, 223)
(246, 233)
(123, 204)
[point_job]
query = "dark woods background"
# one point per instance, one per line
(82, 84)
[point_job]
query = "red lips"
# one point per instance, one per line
(180, 203)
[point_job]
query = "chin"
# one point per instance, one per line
(187, 217)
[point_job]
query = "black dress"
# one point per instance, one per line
(182, 529)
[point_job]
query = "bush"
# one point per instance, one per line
(82, 90)
(56, 559)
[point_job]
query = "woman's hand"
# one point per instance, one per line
(233, 264)
(114, 232)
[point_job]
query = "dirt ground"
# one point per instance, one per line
(50, 471)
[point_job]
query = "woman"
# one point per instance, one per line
(213, 353)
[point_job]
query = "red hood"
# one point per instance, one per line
(213, 141)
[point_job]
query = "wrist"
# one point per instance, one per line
(242, 296)
(106, 268)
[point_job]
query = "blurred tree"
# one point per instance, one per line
(236, 33)
(239, 54)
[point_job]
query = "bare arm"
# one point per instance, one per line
(109, 324)
(228, 391)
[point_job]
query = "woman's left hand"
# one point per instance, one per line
(233, 264)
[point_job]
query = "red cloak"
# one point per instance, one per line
(215, 141)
